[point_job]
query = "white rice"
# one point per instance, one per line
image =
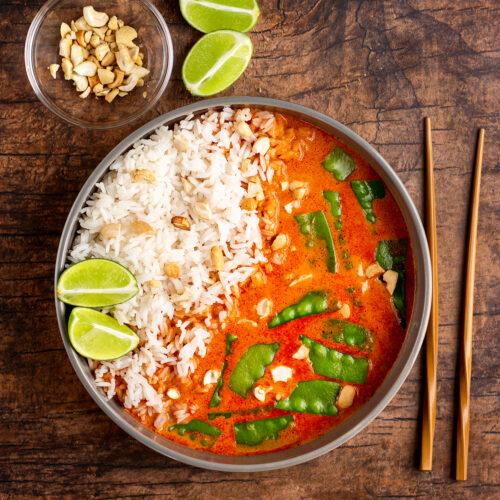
(212, 164)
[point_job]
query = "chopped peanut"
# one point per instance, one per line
(281, 241)
(173, 393)
(181, 223)
(217, 258)
(181, 143)
(245, 163)
(139, 227)
(302, 353)
(296, 185)
(110, 231)
(374, 269)
(187, 186)
(345, 311)
(143, 175)
(249, 204)
(391, 278)
(171, 269)
(211, 377)
(299, 193)
(263, 308)
(257, 279)
(346, 396)
(261, 145)
(360, 270)
(243, 130)
(259, 393)
(203, 210)
(281, 373)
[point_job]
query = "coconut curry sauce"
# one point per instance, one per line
(359, 294)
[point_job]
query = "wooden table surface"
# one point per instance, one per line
(377, 66)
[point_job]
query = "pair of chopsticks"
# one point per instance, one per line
(429, 411)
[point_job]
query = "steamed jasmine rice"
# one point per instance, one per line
(197, 170)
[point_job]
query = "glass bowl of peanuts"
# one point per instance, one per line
(99, 65)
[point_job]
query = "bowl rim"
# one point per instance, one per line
(414, 335)
(29, 63)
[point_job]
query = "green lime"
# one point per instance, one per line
(96, 283)
(96, 335)
(213, 15)
(216, 60)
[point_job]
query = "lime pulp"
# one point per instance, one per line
(97, 336)
(213, 15)
(96, 283)
(216, 61)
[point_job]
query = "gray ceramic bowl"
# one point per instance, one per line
(416, 327)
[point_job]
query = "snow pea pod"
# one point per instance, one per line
(212, 415)
(196, 426)
(251, 367)
(216, 399)
(312, 396)
(334, 364)
(316, 225)
(339, 163)
(351, 334)
(254, 432)
(311, 303)
(366, 192)
(391, 254)
(333, 198)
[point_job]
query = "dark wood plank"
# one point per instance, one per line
(378, 67)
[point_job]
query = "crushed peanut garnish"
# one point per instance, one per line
(98, 52)
(171, 269)
(140, 227)
(217, 258)
(373, 270)
(346, 396)
(181, 223)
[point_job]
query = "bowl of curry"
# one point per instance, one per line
(323, 335)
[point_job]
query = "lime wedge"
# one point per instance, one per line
(96, 283)
(98, 336)
(212, 15)
(216, 60)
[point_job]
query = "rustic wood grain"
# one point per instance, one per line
(377, 66)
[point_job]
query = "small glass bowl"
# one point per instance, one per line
(61, 97)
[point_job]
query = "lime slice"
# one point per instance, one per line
(212, 15)
(216, 60)
(96, 283)
(98, 336)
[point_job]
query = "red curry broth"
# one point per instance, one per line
(375, 310)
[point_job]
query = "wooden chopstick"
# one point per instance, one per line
(431, 341)
(466, 349)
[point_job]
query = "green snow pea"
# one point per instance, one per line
(311, 303)
(366, 192)
(196, 426)
(216, 399)
(252, 366)
(312, 396)
(316, 225)
(333, 198)
(254, 432)
(334, 364)
(345, 332)
(227, 414)
(391, 254)
(339, 163)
